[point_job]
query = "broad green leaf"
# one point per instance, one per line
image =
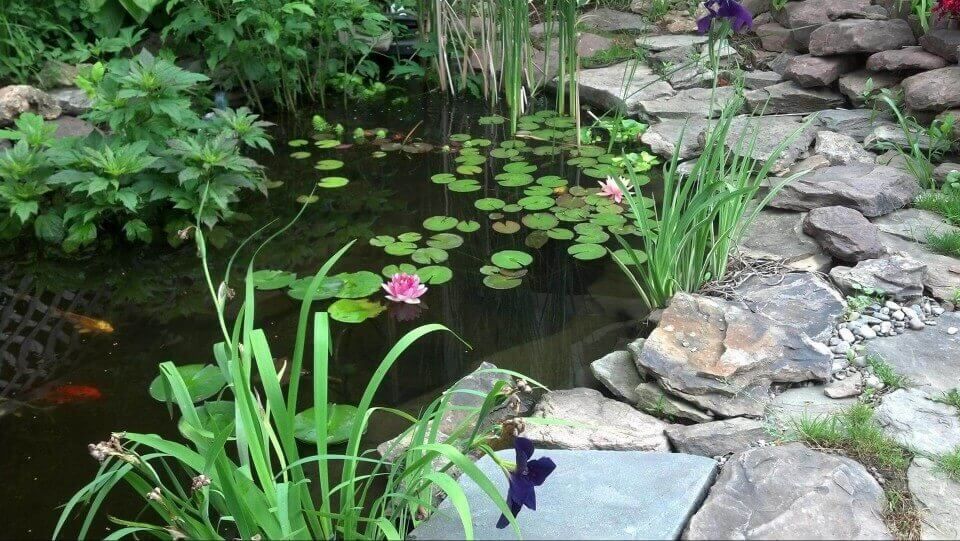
(202, 381)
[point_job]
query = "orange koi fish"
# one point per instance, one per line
(83, 324)
(70, 394)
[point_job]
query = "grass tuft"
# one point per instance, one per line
(945, 202)
(950, 464)
(951, 398)
(886, 373)
(946, 243)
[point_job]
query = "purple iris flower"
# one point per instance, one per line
(739, 16)
(528, 475)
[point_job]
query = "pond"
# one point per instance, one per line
(80, 340)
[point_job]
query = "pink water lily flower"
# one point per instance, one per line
(609, 188)
(404, 287)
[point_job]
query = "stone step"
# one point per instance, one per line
(590, 495)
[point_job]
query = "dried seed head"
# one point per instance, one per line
(154, 495)
(199, 482)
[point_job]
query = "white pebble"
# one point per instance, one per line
(952, 331)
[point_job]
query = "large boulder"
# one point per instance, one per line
(937, 498)
(860, 36)
(789, 98)
(610, 20)
(908, 59)
(914, 225)
(874, 190)
(774, 37)
(855, 123)
(840, 149)
(663, 137)
(603, 87)
(761, 79)
(690, 103)
(802, 300)
(859, 86)
(18, 99)
(723, 357)
(760, 138)
(791, 492)
(597, 423)
(617, 373)
(806, 402)
(929, 359)
(899, 276)
(912, 418)
(805, 17)
(933, 90)
(942, 278)
(72, 100)
(718, 438)
(778, 235)
(813, 71)
(942, 42)
(844, 233)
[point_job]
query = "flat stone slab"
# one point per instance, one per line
(914, 224)
(808, 402)
(916, 421)
(860, 36)
(663, 137)
(759, 138)
(933, 90)
(590, 495)
(788, 98)
(856, 123)
(943, 272)
(690, 103)
(778, 234)
(611, 20)
(802, 300)
(718, 438)
(873, 190)
(604, 88)
(929, 359)
(938, 499)
(670, 41)
(899, 276)
(906, 59)
(791, 492)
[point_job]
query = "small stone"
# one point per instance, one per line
(891, 305)
(886, 327)
(846, 387)
(916, 324)
(873, 382)
(910, 313)
(847, 336)
(867, 333)
(952, 330)
(898, 315)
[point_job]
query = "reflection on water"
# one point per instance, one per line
(565, 314)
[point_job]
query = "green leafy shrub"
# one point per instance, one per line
(154, 168)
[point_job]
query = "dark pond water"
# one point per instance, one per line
(564, 315)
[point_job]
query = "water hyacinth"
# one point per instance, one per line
(739, 17)
(524, 477)
(405, 288)
(610, 188)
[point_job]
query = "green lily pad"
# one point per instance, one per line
(425, 256)
(340, 421)
(513, 207)
(495, 281)
(489, 120)
(297, 142)
(511, 259)
(552, 181)
(504, 153)
(538, 190)
(411, 236)
(519, 167)
(269, 280)
(572, 215)
(489, 270)
(608, 219)
(460, 137)
(445, 241)
(536, 202)
(540, 220)
(586, 252)
(598, 237)
(469, 169)
(333, 182)
(624, 256)
(354, 310)
(507, 227)
(328, 288)
(488, 204)
(560, 233)
(215, 416)
(443, 178)
(402, 268)
(471, 159)
(582, 161)
(464, 186)
(307, 199)
(400, 248)
(435, 274)
(468, 226)
(202, 381)
(513, 180)
(478, 143)
(327, 143)
(358, 284)
(440, 223)
(328, 165)
(301, 155)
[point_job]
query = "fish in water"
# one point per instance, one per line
(71, 394)
(83, 324)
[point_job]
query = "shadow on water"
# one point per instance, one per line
(565, 315)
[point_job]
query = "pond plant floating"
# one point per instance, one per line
(327, 143)
(328, 165)
(358, 284)
(511, 259)
(445, 241)
(496, 281)
(269, 280)
(400, 248)
(328, 288)
(435, 274)
(440, 223)
(202, 380)
(402, 268)
(307, 199)
(340, 421)
(333, 182)
(425, 256)
(468, 226)
(507, 227)
(586, 252)
(355, 310)
(297, 142)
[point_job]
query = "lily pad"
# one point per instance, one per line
(489, 120)
(417, 148)
(269, 280)
(468, 226)
(440, 223)
(538, 190)
(513, 180)
(328, 288)
(511, 259)
(495, 281)
(507, 227)
(327, 143)
(202, 381)
(340, 421)
(307, 199)
(297, 142)
(435, 274)
(624, 256)
(469, 169)
(460, 137)
(560, 233)
(301, 155)
(536, 239)
(464, 186)
(354, 310)
(443, 178)
(478, 143)
(586, 252)
(358, 284)
(333, 182)
(425, 256)
(445, 241)
(400, 248)
(519, 167)
(536, 202)
(411, 236)
(328, 165)
(504, 153)
(513, 207)
(552, 181)
(489, 203)
(540, 220)
(489, 270)
(403, 268)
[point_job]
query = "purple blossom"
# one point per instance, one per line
(739, 16)
(524, 478)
